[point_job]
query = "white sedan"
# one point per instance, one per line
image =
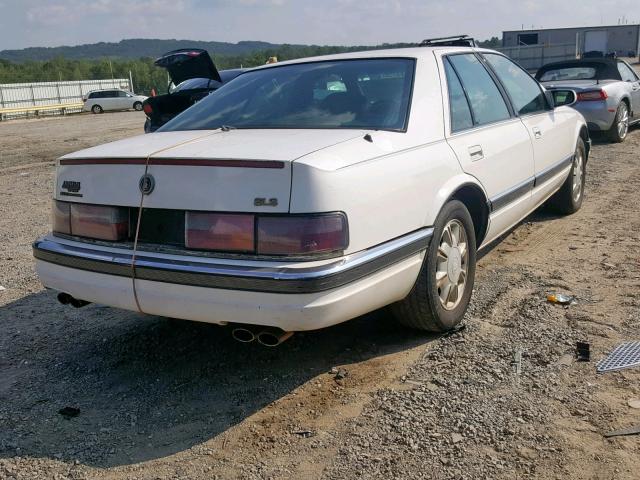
(306, 193)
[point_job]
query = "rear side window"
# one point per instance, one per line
(626, 73)
(93, 95)
(526, 95)
(487, 103)
(459, 107)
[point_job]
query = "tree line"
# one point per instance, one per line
(146, 76)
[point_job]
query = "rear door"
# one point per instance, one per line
(552, 131)
(491, 143)
(629, 76)
(109, 100)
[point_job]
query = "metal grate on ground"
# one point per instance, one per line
(625, 355)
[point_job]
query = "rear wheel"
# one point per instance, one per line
(569, 198)
(620, 128)
(441, 294)
(137, 106)
(96, 109)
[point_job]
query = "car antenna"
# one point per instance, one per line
(226, 128)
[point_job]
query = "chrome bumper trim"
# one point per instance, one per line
(191, 271)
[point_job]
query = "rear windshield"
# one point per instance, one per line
(194, 84)
(368, 94)
(568, 73)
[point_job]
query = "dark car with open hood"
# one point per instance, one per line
(192, 76)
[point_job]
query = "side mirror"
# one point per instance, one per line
(563, 97)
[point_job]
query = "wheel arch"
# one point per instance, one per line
(471, 193)
(584, 135)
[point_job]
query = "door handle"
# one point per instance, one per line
(475, 153)
(536, 132)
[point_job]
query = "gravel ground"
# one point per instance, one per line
(160, 398)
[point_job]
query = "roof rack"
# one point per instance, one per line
(452, 41)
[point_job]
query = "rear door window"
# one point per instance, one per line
(487, 103)
(526, 94)
(460, 111)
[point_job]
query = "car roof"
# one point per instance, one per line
(606, 68)
(583, 61)
(413, 52)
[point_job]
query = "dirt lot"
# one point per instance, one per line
(170, 399)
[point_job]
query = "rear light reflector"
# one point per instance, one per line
(294, 235)
(99, 222)
(594, 95)
(61, 217)
(219, 231)
(147, 108)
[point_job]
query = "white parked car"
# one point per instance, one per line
(309, 192)
(99, 101)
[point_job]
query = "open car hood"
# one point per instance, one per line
(188, 63)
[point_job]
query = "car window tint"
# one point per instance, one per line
(626, 73)
(121, 93)
(92, 95)
(360, 93)
(526, 94)
(458, 105)
(487, 103)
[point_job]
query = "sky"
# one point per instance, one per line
(48, 23)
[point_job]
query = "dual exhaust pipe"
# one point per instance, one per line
(268, 337)
(66, 299)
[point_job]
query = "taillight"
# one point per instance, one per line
(219, 231)
(92, 221)
(294, 235)
(267, 235)
(593, 95)
(61, 217)
(147, 108)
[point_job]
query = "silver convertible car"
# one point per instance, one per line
(607, 92)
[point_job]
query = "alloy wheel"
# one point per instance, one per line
(578, 174)
(623, 121)
(452, 264)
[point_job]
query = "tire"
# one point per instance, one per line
(97, 109)
(618, 131)
(569, 198)
(137, 106)
(423, 308)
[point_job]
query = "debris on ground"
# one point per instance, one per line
(625, 355)
(2, 288)
(635, 430)
(341, 374)
(583, 351)
(69, 412)
(634, 403)
(304, 433)
(561, 299)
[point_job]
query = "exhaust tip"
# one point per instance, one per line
(243, 335)
(66, 299)
(273, 338)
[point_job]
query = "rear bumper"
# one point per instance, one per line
(293, 296)
(597, 114)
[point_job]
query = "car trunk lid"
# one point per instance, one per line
(234, 171)
(188, 63)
